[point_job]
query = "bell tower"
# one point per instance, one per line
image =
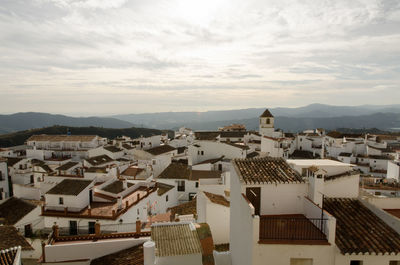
(266, 126)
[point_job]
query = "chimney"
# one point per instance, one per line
(120, 203)
(149, 250)
(97, 228)
(124, 184)
(138, 226)
(56, 231)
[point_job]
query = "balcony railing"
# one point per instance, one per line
(292, 228)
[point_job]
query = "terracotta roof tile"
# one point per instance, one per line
(158, 150)
(175, 239)
(218, 199)
(130, 256)
(14, 209)
(69, 187)
(266, 170)
(64, 138)
(358, 230)
(67, 166)
(9, 238)
(184, 208)
(266, 114)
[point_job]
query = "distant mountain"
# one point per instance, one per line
(169, 120)
(383, 121)
(29, 120)
(18, 138)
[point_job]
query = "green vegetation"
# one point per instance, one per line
(20, 137)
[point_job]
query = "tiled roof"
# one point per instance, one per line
(112, 149)
(266, 114)
(116, 187)
(184, 208)
(345, 154)
(67, 166)
(132, 171)
(69, 187)
(99, 160)
(252, 154)
(130, 256)
(266, 170)
(178, 170)
(163, 188)
(218, 199)
(7, 256)
(211, 161)
(128, 147)
(175, 239)
(358, 230)
(96, 170)
(59, 138)
(14, 209)
(207, 135)
(342, 175)
(9, 238)
(13, 160)
(158, 150)
(232, 134)
(301, 154)
(241, 146)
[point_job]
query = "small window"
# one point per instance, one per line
(268, 121)
(28, 230)
(138, 211)
(154, 162)
(356, 262)
(198, 152)
(197, 184)
(166, 198)
(181, 185)
(61, 200)
(202, 153)
(301, 139)
(91, 229)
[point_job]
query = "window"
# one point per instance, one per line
(301, 261)
(73, 228)
(61, 200)
(268, 121)
(181, 185)
(138, 212)
(301, 139)
(198, 152)
(91, 227)
(197, 184)
(356, 262)
(28, 230)
(304, 172)
(1, 176)
(154, 162)
(191, 195)
(220, 167)
(166, 198)
(202, 153)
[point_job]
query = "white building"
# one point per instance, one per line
(275, 210)
(158, 157)
(4, 185)
(393, 171)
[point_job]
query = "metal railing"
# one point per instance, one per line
(292, 228)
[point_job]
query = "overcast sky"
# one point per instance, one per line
(100, 57)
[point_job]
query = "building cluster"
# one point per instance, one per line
(225, 197)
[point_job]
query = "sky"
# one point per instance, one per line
(103, 57)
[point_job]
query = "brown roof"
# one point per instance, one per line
(211, 161)
(130, 256)
(64, 138)
(206, 135)
(132, 171)
(218, 199)
(69, 187)
(67, 166)
(163, 188)
(158, 150)
(266, 170)
(358, 230)
(241, 146)
(266, 114)
(116, 187)
(13, 160)
(232, 134)
(128, 147)
(184, 208)
(175, 239)
(112, 149)
(99, 160)
(345, 174)
(178, 170)
(96, 170)
(9, 238)
(394, 212)
(14, 209)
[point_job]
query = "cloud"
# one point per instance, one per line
(191, 55)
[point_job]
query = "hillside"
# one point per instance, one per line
(212, 119)
(382, 121)
(19, 138)
(30, 120)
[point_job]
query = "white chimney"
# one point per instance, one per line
(149, 251)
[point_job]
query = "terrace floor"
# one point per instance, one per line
(291, 229)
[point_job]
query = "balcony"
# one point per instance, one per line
(292, 229)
